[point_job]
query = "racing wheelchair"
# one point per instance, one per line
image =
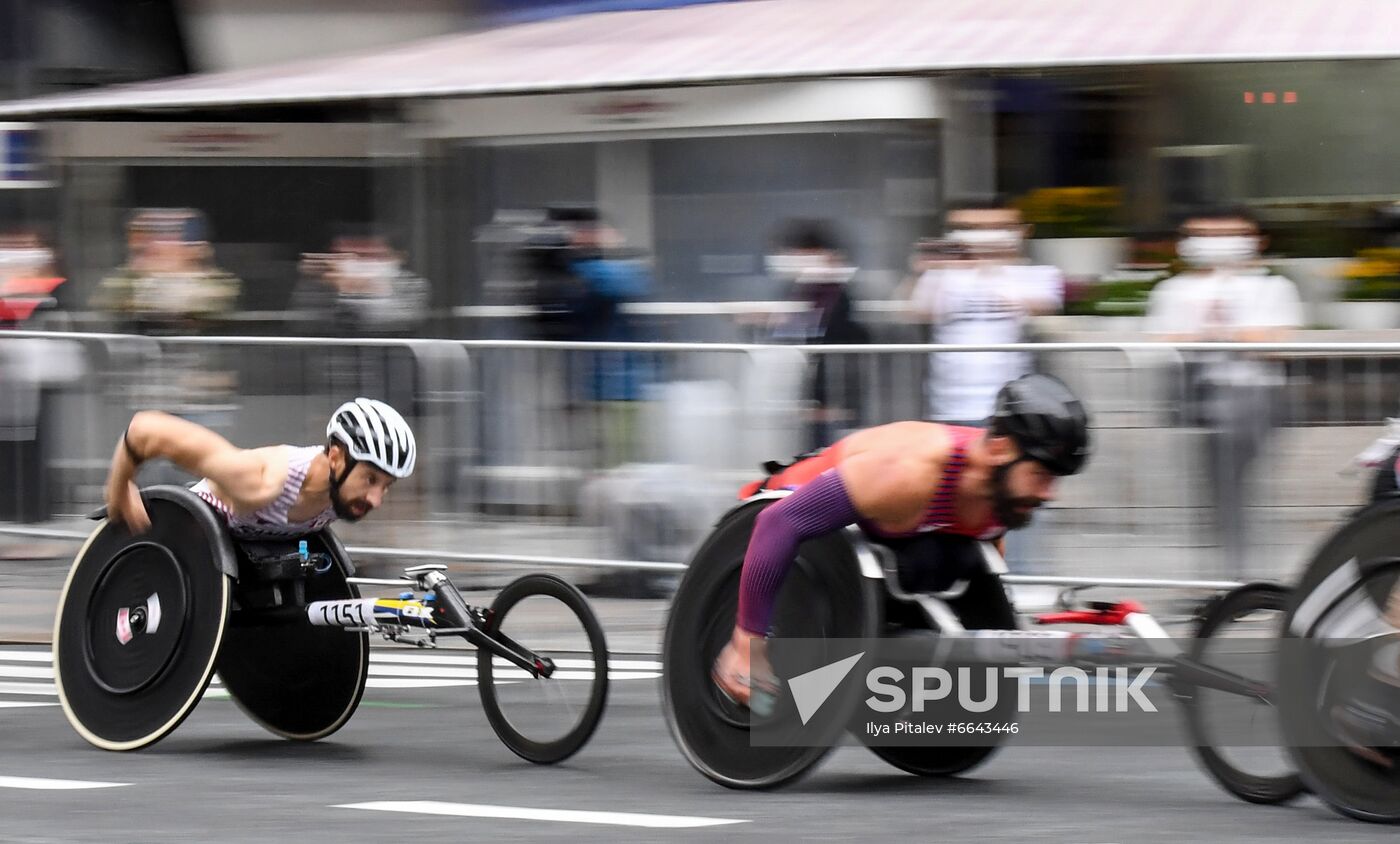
(144, 622)
(844, 586)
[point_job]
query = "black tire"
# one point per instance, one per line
(299, 681)
(1271, 788)
(983, 607)
(124, 688)
(528, 634)
(825, 596)
(1361, 561)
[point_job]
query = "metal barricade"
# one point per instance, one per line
(626, 452)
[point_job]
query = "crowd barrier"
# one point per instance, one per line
(618, 454)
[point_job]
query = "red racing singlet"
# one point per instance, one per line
(941, 513)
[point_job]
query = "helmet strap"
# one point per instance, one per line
(349, 467)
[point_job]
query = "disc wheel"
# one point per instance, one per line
(984, 606)
(1335, 607)
(824, 596)
(1236, 738)
(545, 719)
(299, 681)
(139, 625)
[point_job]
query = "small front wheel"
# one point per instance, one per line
(1237, 738)
(544, 719)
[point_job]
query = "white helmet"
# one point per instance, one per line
(375, 433)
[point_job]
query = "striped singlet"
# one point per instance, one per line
(270, 521)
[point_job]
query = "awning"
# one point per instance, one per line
(782, 39)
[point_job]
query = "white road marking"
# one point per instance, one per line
(388, 670)
(419, 671)
(27, 656)
(514, 673)
(55, 785)
(26, 671)
(477, 810)
(14, 704)
(394, 656)
(417, 658)
(502, 669)
(413, 683)
(28, 689)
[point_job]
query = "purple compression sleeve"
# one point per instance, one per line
(816, 508)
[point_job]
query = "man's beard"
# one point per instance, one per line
(1004, 506)
(340, 505)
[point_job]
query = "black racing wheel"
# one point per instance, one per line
(824, 597)
(983, 606)
(296, 680)
(544, 719)
(1332, 626)
(1236, 738)
(140, 622)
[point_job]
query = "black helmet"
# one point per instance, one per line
(1046, 420)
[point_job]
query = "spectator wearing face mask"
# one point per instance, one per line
(361, 288)
(986, 296)
(169, 283)
(809, 261)
(1227, 296)
(27, 277)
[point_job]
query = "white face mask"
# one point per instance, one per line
(25, 257)
(370, 268)
(1218, 251)
(981, 241)
(807, 269)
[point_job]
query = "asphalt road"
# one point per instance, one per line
(411, 754)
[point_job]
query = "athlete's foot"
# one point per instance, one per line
(742, 674)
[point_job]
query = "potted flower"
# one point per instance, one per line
(1077, 229)
(1370, 296)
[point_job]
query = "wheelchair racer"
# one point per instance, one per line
(274, 492)
(929, 491)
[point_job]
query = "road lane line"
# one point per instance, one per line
(478, 810)
(413, 683)
(27, 656)
(418, 658)
(39, 784)
(28, 689)
(26, 671)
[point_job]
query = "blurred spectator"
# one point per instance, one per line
(557, 294)
(977, 289)
(1227, 296)
(361, 288)
(170, 285)
(169, 282)
(581, 296)
(28, 277)
(808, 259)
(29, 370)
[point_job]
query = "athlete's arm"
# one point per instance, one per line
(885, 480)
(246, 479)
